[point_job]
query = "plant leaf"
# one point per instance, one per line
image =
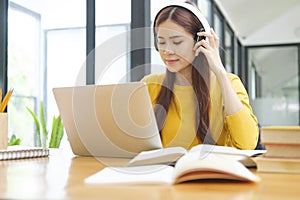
(52, 143)
(14, 140)
(43, 123)
(60, 133)
(37, 127)
(57, 132)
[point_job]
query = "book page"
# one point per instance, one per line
(206, 148)
(242, 156)
(159, 156)
(195, 163)
(149, 174)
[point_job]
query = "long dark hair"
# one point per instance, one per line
(200, 76)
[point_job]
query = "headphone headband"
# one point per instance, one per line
(190, 8)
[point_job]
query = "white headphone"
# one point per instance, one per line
(190, 8)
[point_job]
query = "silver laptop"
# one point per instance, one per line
(108, 120)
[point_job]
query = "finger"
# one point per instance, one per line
(215, 36)
(200, 49)
(213, 32)
(201, 43)
(205, 34)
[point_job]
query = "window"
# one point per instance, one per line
(274, 84)
(240, 63)
(229, 49)
(112, 53)
(205, 8)
(219, 29)
(24, 67)
(46, 49)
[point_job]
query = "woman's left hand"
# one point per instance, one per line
(211, 50)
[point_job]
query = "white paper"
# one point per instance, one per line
(149, 174)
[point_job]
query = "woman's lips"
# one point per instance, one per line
(171, 61)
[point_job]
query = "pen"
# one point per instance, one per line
(0, 96)
(5, 100)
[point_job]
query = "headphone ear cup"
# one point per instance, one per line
(198, 38)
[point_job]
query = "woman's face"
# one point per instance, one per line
(175, 46)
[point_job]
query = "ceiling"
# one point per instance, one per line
(263, 21)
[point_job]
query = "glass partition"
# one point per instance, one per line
(274, 84)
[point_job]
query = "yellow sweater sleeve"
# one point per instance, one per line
(241, 127)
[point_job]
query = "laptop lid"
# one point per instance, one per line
(108, 120)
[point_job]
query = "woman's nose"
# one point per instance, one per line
(169, 50)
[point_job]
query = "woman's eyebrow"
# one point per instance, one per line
(172, 37)
(176, 36)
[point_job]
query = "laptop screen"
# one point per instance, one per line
(108, 120)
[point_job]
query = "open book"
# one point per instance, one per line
(171, 154)
(191, 166)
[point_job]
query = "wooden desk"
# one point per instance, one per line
(61, 177)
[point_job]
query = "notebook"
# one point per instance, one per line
(20, 152)
(114, 120)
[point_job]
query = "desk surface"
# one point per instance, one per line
(61, 175)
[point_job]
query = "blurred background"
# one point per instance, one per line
(48, 42)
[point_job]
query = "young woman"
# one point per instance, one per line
(196, 100)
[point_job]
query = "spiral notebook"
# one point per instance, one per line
(21, 152)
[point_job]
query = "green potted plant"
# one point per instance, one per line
(57, 131)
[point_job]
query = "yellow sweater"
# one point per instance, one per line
(239, 130)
